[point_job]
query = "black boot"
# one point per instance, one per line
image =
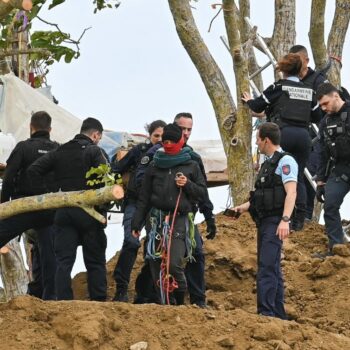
(179, 297)
(121, 295)
(298, 219)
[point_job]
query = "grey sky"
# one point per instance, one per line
(133, 68)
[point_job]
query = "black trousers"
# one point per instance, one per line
(297, 141)
(44, 261)
(16, 225)
(75, 227)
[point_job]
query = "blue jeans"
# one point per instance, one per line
(128, 253)
(335, 191)
(270, 288)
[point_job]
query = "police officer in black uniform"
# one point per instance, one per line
(70, 163)
(289, 103)
(131, 245)
(17, 184)
(333, 173)
(271, 205)
(311, 79)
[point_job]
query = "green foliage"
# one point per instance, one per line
(51, 41)
(55, 3)
(102, 4)
(102, 175)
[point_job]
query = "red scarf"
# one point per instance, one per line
(174, 148)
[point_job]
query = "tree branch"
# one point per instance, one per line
(316, 33)
(244, 11)
(241, 140)
(5, 53)
(336, 39)
(68, 40)
(82, 199)
(283, 37)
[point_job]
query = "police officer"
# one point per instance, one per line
(311, 79)
(271, 205)
(131, 245)
(333, 173)
(17, 184)
(70, 163)
(289, 103)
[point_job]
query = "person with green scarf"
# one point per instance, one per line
(172, 187)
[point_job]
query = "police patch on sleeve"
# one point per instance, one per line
(286, 169)
(144, 160)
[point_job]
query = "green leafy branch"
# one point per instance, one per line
(102, 175)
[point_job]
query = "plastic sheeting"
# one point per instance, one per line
(19, 100)
(212, 153)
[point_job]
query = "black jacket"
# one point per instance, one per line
(16, 182)
(205, 206)
(70, 163)
(332, 123)
(271, 98)
(129, 164)
(159, 191)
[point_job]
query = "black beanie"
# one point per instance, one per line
(172, 132)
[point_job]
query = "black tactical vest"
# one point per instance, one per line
(269, 195)
(35, 147)
(71, 165)
(337, 136)
(293, 106)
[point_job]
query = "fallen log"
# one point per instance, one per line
(85, 200)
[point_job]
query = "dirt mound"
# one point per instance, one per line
(316, 299)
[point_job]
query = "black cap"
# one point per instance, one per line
(172, 132)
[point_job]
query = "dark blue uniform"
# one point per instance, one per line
(312, 80)
(266, 208)
(334, 169)
(131, 245)
(289, 103)
(17, 184)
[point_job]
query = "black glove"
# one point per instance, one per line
(320, 191)
(211, 228)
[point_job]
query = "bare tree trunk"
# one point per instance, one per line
(241, 142)
(336, 39)
(283, 37)
(244, 11)
(13, 274)
(85, 200)
(219, 94)
(316, 33)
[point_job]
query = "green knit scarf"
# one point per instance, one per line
(166, 161)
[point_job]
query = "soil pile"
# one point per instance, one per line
(316, 299)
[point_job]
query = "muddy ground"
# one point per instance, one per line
(316, 299)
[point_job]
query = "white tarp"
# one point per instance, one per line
(212, 153)
(19, 100)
